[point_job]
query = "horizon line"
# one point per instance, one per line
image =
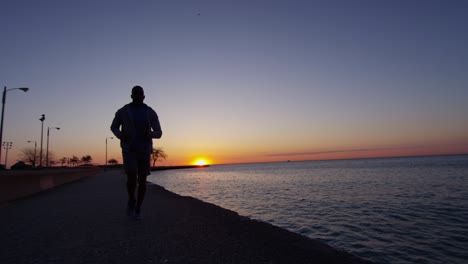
(350, 150)
(377, 157)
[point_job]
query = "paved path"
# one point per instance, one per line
(85, 222)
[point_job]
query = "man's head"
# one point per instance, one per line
(138, 95)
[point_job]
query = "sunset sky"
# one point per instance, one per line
(239, 81)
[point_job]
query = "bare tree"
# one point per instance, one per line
(158, 153)
(27, 155)
(51, 158)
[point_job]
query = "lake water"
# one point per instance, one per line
(392, 210)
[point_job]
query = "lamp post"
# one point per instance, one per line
(35, 147)
(42, 130)
(7, 146)
(47, 154)
(106, 148)
(5, 90)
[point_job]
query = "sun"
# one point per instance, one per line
(200, 162)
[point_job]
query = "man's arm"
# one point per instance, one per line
(115, 126)
(155, 131)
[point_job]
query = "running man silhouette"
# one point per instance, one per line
(136, 124)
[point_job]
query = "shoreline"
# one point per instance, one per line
(158, 168)
(289, 241)
(175, 229)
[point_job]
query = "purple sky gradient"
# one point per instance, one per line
(240, 81)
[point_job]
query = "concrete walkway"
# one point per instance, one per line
(85, 222)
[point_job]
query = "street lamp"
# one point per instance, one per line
(47, 153)
(35, 147)
(7, 146)
(106, 148)
(42, 137)
(5, 90)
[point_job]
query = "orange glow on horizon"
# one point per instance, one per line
(201, 162)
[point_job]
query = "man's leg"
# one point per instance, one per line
(143, 172)
(131, 187)
(141, 191)
(130, 166)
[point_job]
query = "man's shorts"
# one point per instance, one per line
(137, 163)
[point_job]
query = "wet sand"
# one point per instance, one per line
(85, 222)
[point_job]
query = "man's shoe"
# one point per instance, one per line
(131, 208)
(138, 214)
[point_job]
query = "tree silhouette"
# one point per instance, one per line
(52, 162)
(63, 160)
(27, 156)
(86, 159)
(74, 160)
(113, 162)
(158, 153)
